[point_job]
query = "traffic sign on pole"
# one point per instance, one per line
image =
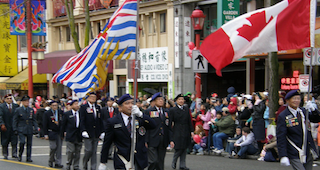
(199, 63)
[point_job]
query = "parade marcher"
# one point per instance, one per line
(39, 116)
(91, 127)
(119, 130)
(182, 128)
(24, 125)
(7, 110)
(108, 112)
(71, 128)
(158, 139)
(291, 128)
(52, 120)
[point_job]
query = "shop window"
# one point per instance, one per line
(59, 29)
(121, 85)
(120, 64)
(98, 27)
(151, 27)
(68, 34)
(162, 22)
(23, 41)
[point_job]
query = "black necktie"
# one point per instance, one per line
(10, 108)
(129, 124)
(161, 114)
(75, 118)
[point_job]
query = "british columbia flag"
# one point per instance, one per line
(87, 71)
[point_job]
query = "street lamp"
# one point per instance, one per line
(197, 19)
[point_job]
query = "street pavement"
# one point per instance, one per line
(40, 155)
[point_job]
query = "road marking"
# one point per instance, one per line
(27, 164)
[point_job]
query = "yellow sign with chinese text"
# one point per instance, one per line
(8, 44)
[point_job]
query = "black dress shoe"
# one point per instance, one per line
(5, 157)
(173, 166)
(19, 158)
(29, 160)
(185, 168)
(50, 164)
(58, 166)
(14, 157)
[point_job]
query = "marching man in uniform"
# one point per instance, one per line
(71, 128)
(52, 120)
(291, 127)
(7, 110)
(119, 130)
(24, 125)
(158, 139)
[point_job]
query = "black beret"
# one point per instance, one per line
(124, 98)
(179, 95)
(25, 98)
(73, 101)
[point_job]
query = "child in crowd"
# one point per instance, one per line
(269, 152)
(199, 114)
(201, 143)
(230, 145)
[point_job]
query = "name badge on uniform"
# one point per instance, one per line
(89, 110)
(289, 116)
(154, 114)
(142, 131)
(117, 126)
(71, 116)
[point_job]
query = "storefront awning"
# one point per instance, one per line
(2, 84)
(20, 81)
(54, 61)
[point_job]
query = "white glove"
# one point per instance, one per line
(136, 111)
(310, 106)
(103, 166)
(284, 161)
(102, 136)
(210, 123)
(85, 134)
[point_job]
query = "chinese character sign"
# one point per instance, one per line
(17, 17)
(227, 10)
(8, 44)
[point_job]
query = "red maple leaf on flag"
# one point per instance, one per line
(258, 22)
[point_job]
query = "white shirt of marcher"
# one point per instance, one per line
(9, 106)
(93, 108)
(110, 109)
(76, 114)
(126, 121)
(159, 110)
(294, 112)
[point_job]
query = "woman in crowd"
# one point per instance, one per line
(247, 144)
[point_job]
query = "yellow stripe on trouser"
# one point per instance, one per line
(27, 164)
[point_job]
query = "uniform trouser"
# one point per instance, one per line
(297, 165)
(156, 157)
(182, 153)
(22, 141)
(73, 154)
(55, 150)
(90, 152)
(13, 139)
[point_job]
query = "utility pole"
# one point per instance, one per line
(29, 43)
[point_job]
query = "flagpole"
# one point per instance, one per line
(313, 7)
(135, 87)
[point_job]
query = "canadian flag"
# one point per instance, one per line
(287, 25)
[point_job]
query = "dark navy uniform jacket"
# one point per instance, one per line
(50, 126)
(69, 126)
(118, 133)
(6, 118)
(90, 123)
(162, 128)
(24, 121)
(287, 126)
